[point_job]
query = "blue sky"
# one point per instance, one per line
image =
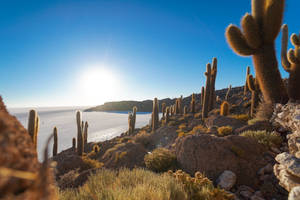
(149, 48)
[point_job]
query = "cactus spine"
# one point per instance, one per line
(227, 93)
(212, 93)
(291, 63)
(85, 135)
(55, 138)
(80, 142)
(260, 30)
(224, 108)
(254, 88)
(155, 117)
(33, 126)
(193, 103)
(246, 88)
(74, 144)
(205, 106)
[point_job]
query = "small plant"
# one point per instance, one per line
(224, 108)
(198, 129)
(254, 121)
(265, 138)
(242, 117)
(91, 162)
(143, 138)
(96, 148)
(224, 130)
(160, 160)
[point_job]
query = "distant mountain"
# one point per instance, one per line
(146, 105)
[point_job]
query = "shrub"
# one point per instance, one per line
(198, 128)
(126, 184)
(254, 121)
(241, 117)
(91, 162)
(264, 137)
(224, 130)
(200, 187)
(160, 160)
(143, 138)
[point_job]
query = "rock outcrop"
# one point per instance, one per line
(213, 155)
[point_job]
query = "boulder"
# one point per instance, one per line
(218, 120)
(295, 193)
(226, 180)
(213, 155)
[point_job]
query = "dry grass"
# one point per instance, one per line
(241, 117)
(160, 160)
(143, 138)
(140, 184)
(264, 137)
(224, 130)
(91, 162)
(254, 121)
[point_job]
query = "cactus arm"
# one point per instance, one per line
(295, 40)
(272, 19)
(292, 57)
(250, 81)
(237, 41)
(284, 44)
(251, 31)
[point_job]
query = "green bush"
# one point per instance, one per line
(264, 137)
(160, 160)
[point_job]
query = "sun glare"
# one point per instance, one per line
(98, 85)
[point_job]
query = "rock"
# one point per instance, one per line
(275, 150)
(295, 193)
(226, 180)
(246, 194)
(286, 180)
(218, 120)
(291, 163)
(213, 155)
(266, 169)
(255, 197)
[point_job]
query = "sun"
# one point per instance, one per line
(98, 85)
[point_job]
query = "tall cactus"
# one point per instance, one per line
(130, 123)
(227, 93)
(85, 135)
(80, 142)
(134, 110)
(163, 110)
(155, 116)
(202, 96)
(205, 106)
(224, 108)
(291, 63)
(254, 88)
(258, 39)
(167, 118)
(212, 93)
(177, 106)
(246, 88)
(184, 110)
(74, 144)
(193, 104)
(33, 126)
(55, 138)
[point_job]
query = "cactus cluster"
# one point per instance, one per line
(209, 96)
(81, 127)
(257, 38)
(33, 126)
(291, 63)
(155, 116)
(254, 88)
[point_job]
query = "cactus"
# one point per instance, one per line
(130, 123)
(155, 117)
(180, 104)
(202, 96)
(205, 106)
(254, 88)
(33, 126)
(227, 93)
(260, 30)
(212, 93)
(80, 142)
(96, 148)
(291, 63)
(167, 115)
(177, 106)
(193, 103)
(134, 110)
(55, 141)
(74, 144)
(163, 110)
(246, 88)
(85, 136)
(224, 108)
(184, 110)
